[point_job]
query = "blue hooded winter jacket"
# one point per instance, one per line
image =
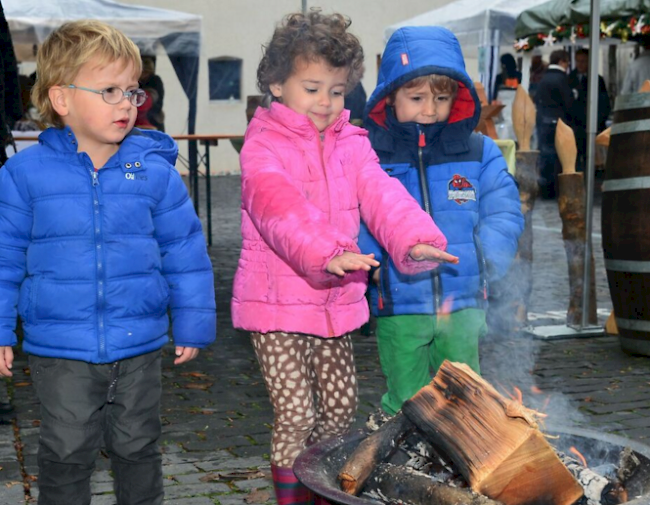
(467, 188)
(93, 260)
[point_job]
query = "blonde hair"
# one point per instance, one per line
(70, 47)
(438, 84)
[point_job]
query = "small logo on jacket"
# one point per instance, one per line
(460, 190)
(132, 177)
(405, 59)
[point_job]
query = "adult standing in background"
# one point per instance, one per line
(578, 82)
(510, 76)
(638, 71)
(537, 70)
(153, 85)
(553, 99)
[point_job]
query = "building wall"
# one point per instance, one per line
(239, 28)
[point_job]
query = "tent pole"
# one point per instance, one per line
(592, 118)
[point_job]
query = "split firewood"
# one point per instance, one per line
(571, 202)
(376, 448)
(493, 441)
(396, 484)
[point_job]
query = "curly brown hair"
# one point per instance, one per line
(310, 37)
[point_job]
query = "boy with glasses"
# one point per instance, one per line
(98, 239)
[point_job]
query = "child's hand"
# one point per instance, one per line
(422, 252)
(349, 262)
(185, 354)
(6, 360)
(375, 277)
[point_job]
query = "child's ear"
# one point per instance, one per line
(276, 90)
(58, 100)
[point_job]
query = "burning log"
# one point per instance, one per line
(396, 483)
(634, 475)
(375, 449)
(493, 441)
(597, 488)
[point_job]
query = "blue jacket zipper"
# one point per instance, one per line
(424, 189)
(99, 262)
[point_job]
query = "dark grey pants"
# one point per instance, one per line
(81, 412)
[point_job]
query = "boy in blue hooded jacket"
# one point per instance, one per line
(420, 120)
(98, 239)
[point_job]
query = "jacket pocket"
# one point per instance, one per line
(396, 169)
(164, 291)
(26, 299)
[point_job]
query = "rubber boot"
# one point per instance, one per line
(288, 490)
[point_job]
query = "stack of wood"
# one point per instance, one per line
(493, 442)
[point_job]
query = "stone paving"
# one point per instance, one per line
(217, 416)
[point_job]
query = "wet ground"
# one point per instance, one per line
(217, 416)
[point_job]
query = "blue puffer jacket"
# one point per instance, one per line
(93, 260)
(469, 193)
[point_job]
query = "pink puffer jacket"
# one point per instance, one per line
(302, 198)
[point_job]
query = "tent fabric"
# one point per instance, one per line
(176, 33)
(472, 21)
(549, 15)
(31, 21)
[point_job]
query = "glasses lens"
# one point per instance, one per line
(113, 95)
(138, 97)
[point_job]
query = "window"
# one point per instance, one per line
(225, 78)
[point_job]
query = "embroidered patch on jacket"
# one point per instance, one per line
(460, 190)
(405, 59)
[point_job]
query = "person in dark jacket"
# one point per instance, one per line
(420, 120)
(553, 99)
(510, 76)
(578, 82)
(98, 239)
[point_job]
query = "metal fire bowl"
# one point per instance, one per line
(317, 467)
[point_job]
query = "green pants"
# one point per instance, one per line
(412, 347)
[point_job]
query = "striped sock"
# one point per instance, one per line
(288, 490)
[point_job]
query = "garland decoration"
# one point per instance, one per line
(634, 28)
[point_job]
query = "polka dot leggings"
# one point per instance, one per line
(313, 389)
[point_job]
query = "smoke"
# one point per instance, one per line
(509, 363)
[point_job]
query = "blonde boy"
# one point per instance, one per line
(98, 239)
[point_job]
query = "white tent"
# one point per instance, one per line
(31, 21)
(481, 26)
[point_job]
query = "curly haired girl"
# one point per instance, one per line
(308, 176)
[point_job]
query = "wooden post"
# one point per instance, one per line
(571, 202)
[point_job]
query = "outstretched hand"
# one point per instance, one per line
(350, 262)
(426, 252)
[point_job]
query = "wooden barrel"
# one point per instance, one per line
(626, 220)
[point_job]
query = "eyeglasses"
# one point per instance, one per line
(114, 95)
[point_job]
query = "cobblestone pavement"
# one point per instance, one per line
(217, 417)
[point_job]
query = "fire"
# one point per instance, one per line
(576, 452)
(535, 390)
(445, 308)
